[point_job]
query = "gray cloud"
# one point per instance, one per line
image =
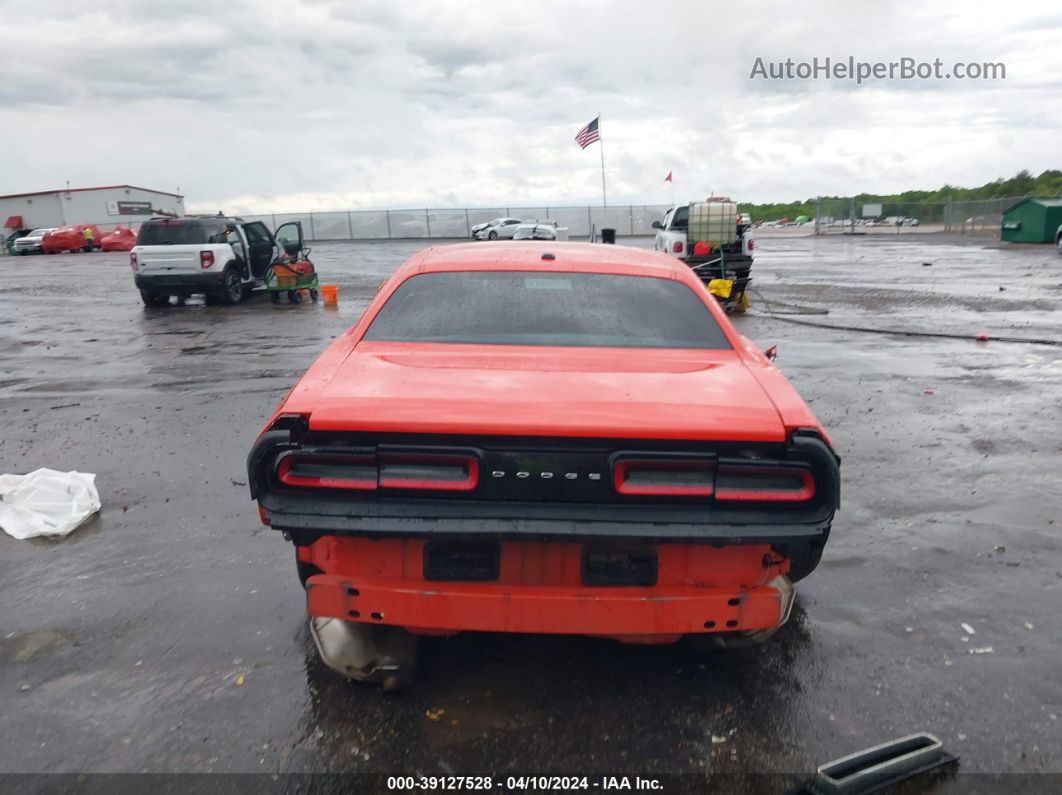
(326, 105)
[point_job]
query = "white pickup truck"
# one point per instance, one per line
(715, 241)
(222, 258)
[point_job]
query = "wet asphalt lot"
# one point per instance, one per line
(122, 646)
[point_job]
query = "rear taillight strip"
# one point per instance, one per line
(707, 478)
(326, 472)
(665, 478)
(386, 471)
(759, 484)
(429, 472)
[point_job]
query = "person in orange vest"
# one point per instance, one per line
(89, 237)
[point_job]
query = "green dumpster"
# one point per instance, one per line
(1032, 221)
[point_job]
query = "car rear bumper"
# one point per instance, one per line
(540, 588)
(182, 282)
(649, 615)
(555, 523)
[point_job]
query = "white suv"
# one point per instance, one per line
(222, 258)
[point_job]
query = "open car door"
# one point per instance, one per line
(289, 238)
(260, 248)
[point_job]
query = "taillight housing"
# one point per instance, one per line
(677, 247)
(751, 244)
(133, 263)
(664, 478)
(412, 471)
(428, 472)
(739, 483)
(708, 477)
(327, 471)
(206, 259)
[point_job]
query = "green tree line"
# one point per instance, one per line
(1049, 183)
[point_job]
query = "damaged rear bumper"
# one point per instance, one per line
(640, 594)
(656, 614)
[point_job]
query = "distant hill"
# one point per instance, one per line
(1049, 183)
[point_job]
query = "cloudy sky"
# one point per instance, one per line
(264, 105)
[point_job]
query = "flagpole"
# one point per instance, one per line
(601, 141)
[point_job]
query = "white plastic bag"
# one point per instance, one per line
(46, 502)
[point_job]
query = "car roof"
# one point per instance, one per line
(568, 257)
(197, 219)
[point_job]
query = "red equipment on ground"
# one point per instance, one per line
(121, 239)
(71, 238)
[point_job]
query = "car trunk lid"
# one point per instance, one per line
(546, 391)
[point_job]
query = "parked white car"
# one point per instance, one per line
(540, 230)
(499, 228)
(31, 243)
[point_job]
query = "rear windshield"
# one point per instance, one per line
(533, 308)
(179, 233)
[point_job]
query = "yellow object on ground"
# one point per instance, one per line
(721, 287)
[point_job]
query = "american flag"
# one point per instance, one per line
(588, 134)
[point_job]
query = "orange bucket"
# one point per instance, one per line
(329, 295)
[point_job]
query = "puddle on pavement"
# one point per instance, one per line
(28, 646)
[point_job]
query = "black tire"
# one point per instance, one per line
(294, 297)
(492, 235)
(313, 295)
(154, 299)
(803, 559)
(231, 286)
(1058, 244)
(274, 296)
(23, 253)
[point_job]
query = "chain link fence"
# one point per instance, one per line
(829, 216)
(855, 216)
(628, 221)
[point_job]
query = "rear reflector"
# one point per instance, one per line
(763, 484)
(428, 472)
(327, 472)
(682, 478)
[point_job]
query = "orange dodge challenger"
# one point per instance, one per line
(543, 438)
